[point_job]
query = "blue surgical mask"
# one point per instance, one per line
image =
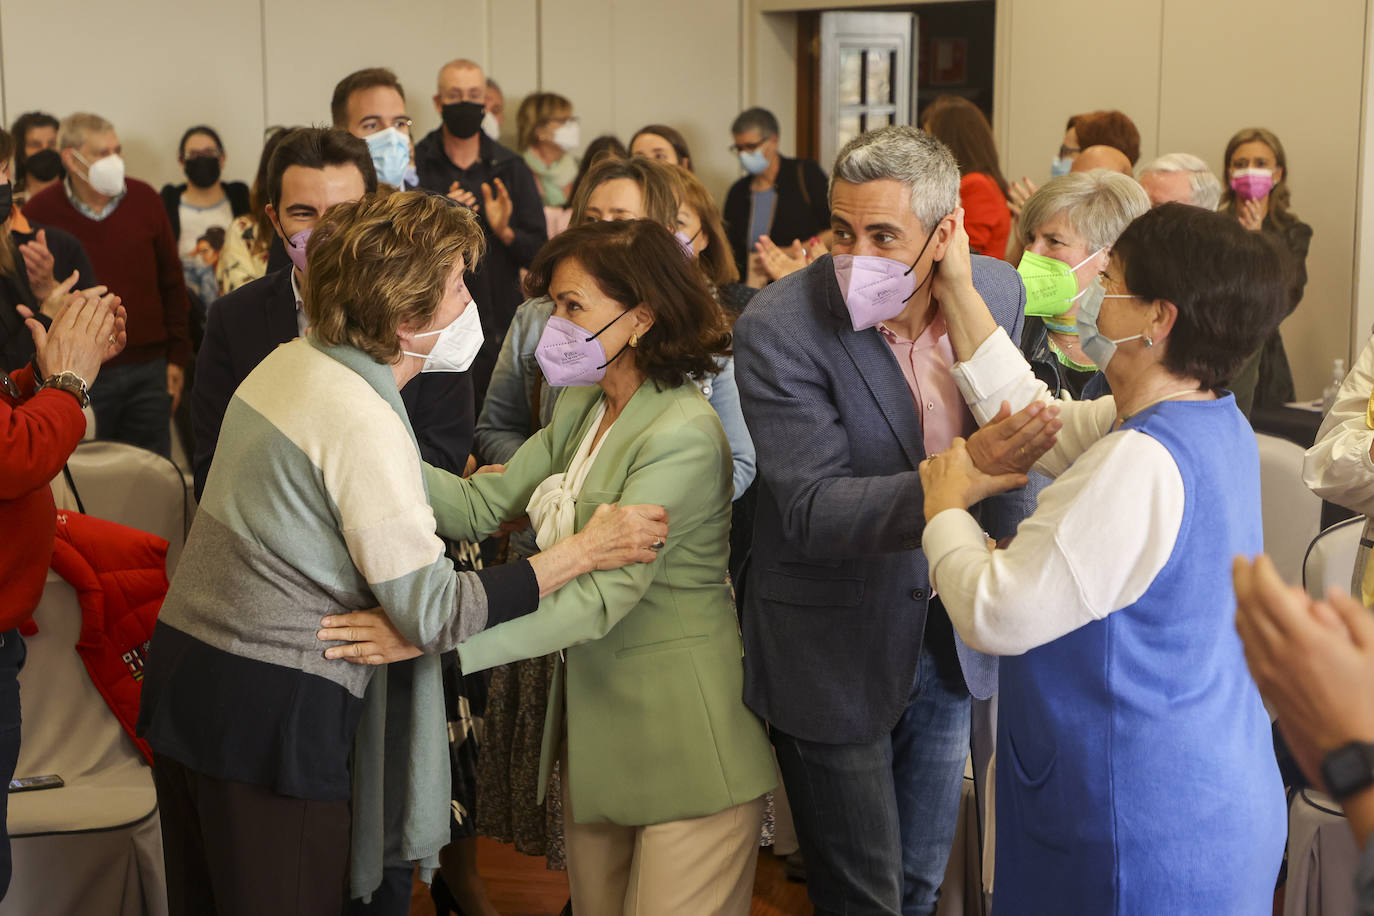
(1096, 346)
(1060, 165)
(754, 161)
(390, 151)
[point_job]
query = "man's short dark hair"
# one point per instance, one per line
(315, 148)
(357, 81)
(759, 119)
(1230, 286)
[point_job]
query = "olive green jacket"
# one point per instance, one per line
(657, 726)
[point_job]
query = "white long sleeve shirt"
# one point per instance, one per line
(1338, 467)
(1101, 534)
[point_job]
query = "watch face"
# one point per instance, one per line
(1346, 770)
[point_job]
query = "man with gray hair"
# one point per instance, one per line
(779, 198)
(123, 226)
(844, 376)
(1181, 177)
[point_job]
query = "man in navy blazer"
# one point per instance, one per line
(311, 170)
(848, 655)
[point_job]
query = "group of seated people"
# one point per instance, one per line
(711, 511)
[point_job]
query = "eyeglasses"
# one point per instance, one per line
(748, 147)
(1067, 151)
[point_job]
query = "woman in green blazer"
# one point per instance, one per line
(665, 766)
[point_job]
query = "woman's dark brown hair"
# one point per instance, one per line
(1230, 286)
(1108, 128)
(638, 262)
(675, 140)
(961, 125)
(605, 146)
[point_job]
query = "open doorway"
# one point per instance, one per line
(857, 70)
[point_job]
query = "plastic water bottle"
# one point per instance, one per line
(1334, 386)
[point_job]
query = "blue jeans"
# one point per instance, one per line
(876, 821)
(132, 405)
(12, 654)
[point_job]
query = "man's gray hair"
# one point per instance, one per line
(77, 127)
(911, 156)
(1098, 204)
(759, 119)
(1204, 184)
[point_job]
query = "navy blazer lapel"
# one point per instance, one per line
(878, 368)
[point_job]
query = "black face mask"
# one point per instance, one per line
(463, 119)
(202, 171)
(44, 165)
(6, 200)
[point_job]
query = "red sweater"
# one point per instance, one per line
(37, 435)
(134, 254)
(986, 217)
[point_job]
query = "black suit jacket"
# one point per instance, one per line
(252, 321)
(803, 208)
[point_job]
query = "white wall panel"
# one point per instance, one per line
(1067, 57)
(312, 44)
(157, 69)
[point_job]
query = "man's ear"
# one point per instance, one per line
(944, 234)
(275, 220)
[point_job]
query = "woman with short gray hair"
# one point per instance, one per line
(1068, 228)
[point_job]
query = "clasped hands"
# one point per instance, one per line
(87, 329)
(994, 459)
(615, 536)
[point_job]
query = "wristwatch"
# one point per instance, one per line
(71, 383)
(1348, 769)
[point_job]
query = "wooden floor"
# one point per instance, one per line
(520, 885)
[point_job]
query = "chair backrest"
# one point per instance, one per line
(68, 727)
(1330, 558)
(1292, 512)
(135, 487)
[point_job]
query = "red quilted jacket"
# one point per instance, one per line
(120, 577)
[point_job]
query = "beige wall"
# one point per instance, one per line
(243, 65)
(1185, 70)
(1189, 78)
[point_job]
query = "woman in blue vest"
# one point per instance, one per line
(1135, 770)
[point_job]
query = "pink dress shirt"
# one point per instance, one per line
(926, 363)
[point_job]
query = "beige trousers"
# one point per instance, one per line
(703, 866)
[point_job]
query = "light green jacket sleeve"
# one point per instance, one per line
(472, 508)
(678, 469)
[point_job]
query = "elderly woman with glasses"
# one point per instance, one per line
(1135, 765)
(264, 750)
